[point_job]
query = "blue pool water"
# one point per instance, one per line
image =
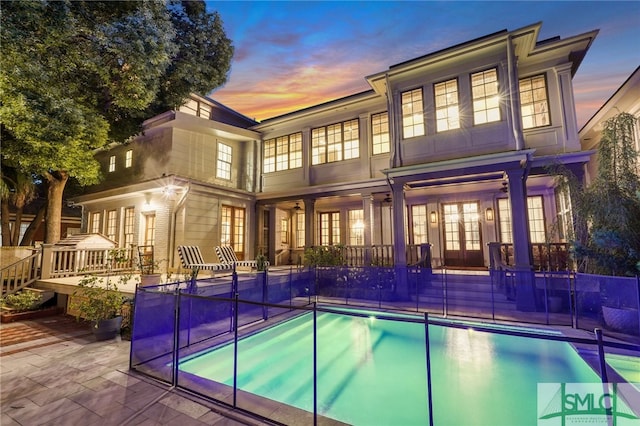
(373, 372)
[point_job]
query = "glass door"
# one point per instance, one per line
(462, 238)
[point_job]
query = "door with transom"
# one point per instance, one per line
(462, 236)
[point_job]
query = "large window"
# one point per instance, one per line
(535, 209)
(447, 111)
(336, 142)
(283, 153)
(129, 226)
(418, 223)
(533, 102)
(486, 99)
(412, 114)
(94, 222)
(300, 233)
(356, 227)
(112, 225)
(329, 228)
(380, 133)
(223, 169)
(232, 229)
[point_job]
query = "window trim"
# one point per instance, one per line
(446, 107)
(546, 93)
(473, 99)
(423, 126)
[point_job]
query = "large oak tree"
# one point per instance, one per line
(77, 75)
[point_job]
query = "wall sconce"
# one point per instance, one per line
(434, 217)
(488, 214)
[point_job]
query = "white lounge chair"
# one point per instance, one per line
(227, 256)
(191, 258)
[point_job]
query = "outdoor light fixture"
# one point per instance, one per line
(297, 207)
(434, 217)
(488, 214)
(387, 199)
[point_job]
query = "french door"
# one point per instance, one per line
(462, 238)
(232, 232)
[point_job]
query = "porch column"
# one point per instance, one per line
(525, 299)
(367, 207)
(272, 233)
(399, 243)
(309, 222)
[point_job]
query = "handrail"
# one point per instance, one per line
(19, 274)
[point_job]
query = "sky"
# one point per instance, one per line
(294, 54)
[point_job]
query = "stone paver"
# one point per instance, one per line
(53, 372)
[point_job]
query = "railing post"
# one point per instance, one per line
(603, 364)
(235, 349)
(428, 356)
(45, 261)
(315, 365)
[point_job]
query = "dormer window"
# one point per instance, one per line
(128, 158)
(197, 108)
(112, 163)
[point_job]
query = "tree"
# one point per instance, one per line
(18, 189)
(76, 76)
(609, 209)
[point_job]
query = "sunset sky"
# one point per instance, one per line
(290, 55)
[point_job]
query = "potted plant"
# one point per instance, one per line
(98, 300)
(26, 304)
(148, 266)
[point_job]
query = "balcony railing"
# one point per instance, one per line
(545, 256)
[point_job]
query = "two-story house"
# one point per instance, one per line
(452, 149)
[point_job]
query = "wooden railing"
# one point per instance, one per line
(20, 274)
(58, 262)
(545, 256)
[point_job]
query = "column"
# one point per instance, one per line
(525, 279)
(309, 222)
(273, 210)
(399, 243)
(367, 207)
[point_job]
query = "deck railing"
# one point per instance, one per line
(58, 262)
(545, 256)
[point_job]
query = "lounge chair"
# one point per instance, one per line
(191, 258)
(227, 255)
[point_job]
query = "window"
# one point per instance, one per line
(283, 153)
(418, 223)
(300, 230)
(128, 158)
(284, 230)
(112, 225)
(535, 209)
(94, 223)
(356, 227)
(329, 228)
(447, 112)
(533, 102)
(223, 169)
(149, 229)
(232, 229)
(380, 133)
(486, 99)
(536, 220)
(563, 209)
(112, 163)
(336, 142)
(412, 114)
(199, 109)
(129, 224)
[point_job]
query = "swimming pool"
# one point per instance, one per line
(373, 372)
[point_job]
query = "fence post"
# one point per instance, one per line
(45, 261)
(235, 349)
(428, 356)
(315, 365)
(176, 338)
(603, 364)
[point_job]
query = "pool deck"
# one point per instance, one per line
(53, 372)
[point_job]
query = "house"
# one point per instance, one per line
(450, 151)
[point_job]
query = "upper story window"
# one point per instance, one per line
(283, 153)
(112, 163)
(447, 110)
(223, 167)
(336, 142)
(533, 102)
(486, 99)
(199, 109)
(128, 158)
(412, 114)
(380, 133)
